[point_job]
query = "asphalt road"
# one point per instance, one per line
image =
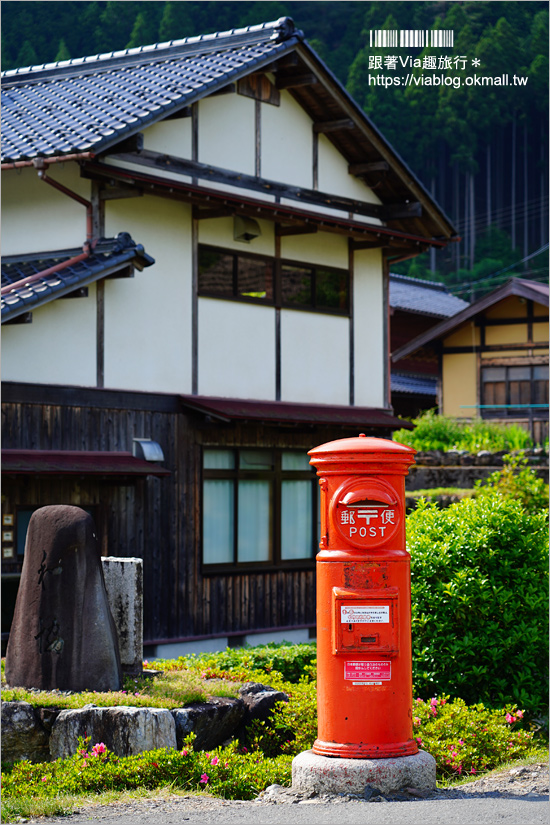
(483, 808)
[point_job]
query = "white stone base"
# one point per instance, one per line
(326, 774)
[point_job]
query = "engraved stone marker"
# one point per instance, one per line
(63, 634)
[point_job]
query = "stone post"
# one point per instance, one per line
(124, 584)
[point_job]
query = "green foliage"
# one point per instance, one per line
(227, 772)
(469, 740)
(518, 481)
(441, 432)
(291, 661)
(479, 573)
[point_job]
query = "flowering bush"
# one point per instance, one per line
(469, 740)
(225, 772)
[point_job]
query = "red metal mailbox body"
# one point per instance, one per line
(364, 689)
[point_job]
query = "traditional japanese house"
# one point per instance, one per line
(197, 238)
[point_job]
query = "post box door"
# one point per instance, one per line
(365, 621)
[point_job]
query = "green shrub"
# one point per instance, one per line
(469, 740)
(479, 573)
(441, 432)
(518, 481)
(292, 661)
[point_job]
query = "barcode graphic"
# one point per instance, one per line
(412, 38)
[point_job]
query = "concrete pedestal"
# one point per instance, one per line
(325, 774)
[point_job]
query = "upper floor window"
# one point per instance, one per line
(508, 390)
(283, 283)
(259, 507)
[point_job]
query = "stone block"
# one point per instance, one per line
(212, 722)
(124, 584)
(23, 735)
(259, 700)
(125, 731)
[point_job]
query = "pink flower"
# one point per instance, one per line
(145, 662)
(460, 741)
(416, 720)
(44, 779)
(519, 714)
(433, 702)
(510, 719)
(97, 749)
(473, 770)
(184, 752)
(214, 761)
(204, 778)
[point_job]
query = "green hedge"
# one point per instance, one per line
(480, 601)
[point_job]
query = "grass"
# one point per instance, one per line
(537, 755)
(32, 807)
(172, 689)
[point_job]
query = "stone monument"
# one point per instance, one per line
(63, 634)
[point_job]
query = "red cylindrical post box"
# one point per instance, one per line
(364, 686)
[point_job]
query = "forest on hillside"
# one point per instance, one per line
(481, 150)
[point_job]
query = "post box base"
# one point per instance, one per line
(325, 774)
(359, 751)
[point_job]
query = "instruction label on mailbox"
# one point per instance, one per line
(358, 672)
(365, 614)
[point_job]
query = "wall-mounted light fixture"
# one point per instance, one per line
(147, 449)
(245, 229)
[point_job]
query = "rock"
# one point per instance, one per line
(23, 736)
(125, 731)
(62, 635)
(212, 723)
(260, 700)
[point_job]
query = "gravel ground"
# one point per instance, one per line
(518, 796)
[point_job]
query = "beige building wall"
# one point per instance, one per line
(370, 356)
(460, 385)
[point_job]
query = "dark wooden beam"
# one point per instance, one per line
(495, 348)
(24, 318)
(282, 231)
(295, 80)
(208, 214)
(368, 168)
(356, 246)
(120, 192)
(396, 211)
(333, 125)
(197, 170)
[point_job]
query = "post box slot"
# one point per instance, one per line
(365, 621)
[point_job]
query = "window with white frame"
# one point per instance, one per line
(259, 507)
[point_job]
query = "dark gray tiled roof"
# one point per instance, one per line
(109, 256)
(91, 103)
(419, 385)
(424, 297)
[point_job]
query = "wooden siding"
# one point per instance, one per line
(158, 519)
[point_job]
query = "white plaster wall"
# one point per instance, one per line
(369, 321)
(287, 143)
(172, 137)
(227, 135)
(314, 358)
(148, 317)
(236, 350)
(334, 177)
(59, 347)
(321, 248)
(36, 217)
(219, 232)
